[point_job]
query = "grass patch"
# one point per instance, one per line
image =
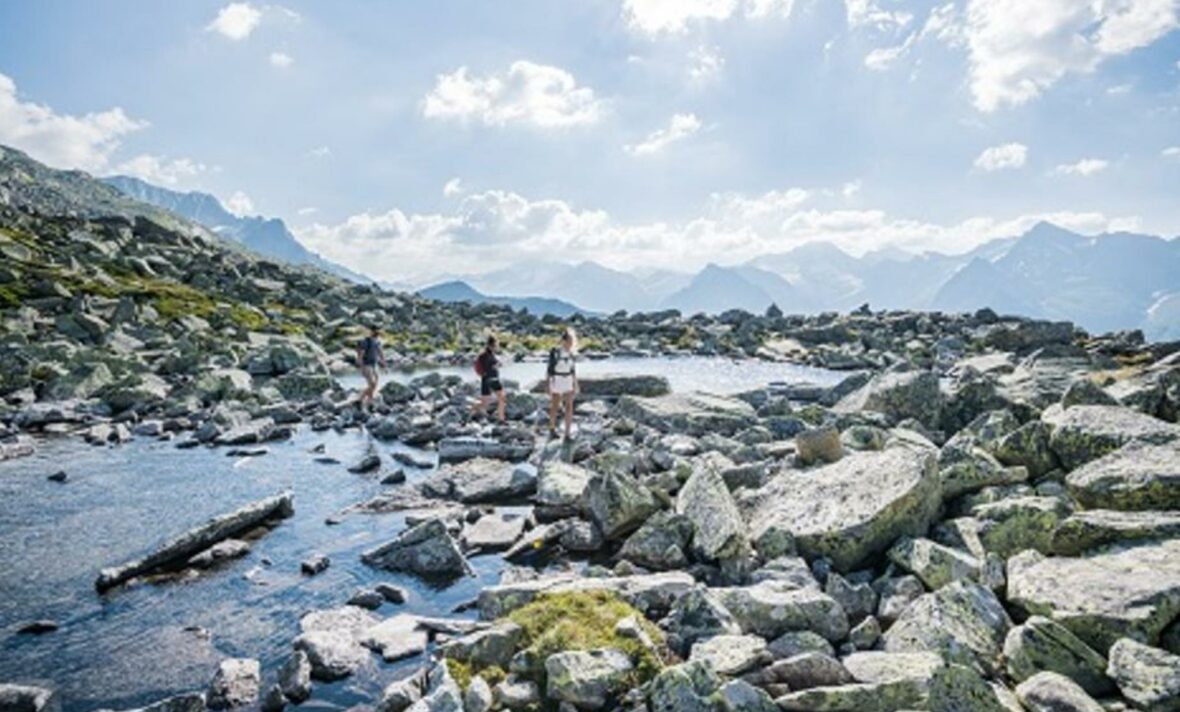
(463, 673)
(586, 620)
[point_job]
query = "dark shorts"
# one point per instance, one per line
(488, 386)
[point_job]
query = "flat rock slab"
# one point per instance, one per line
(481, 480)
(1137, 476)
(466, 448)
(1082, 433)
(648, 592)
(1095, 528)
(772, 608)
(692, 413)
(852, 509)
(493, 532)
(1131, 591)
(199, 538)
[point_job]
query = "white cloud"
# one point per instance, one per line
(862, 13)
(998, 158)
(282, 60)
(453, 187)
(1085, 167)
(304, 212)
(159, 170)
(498, 228)
(236, 21)
(1019, 48)
(319, 152)
(528, 93)
(61, 140)
(655, 17)
(941, 24)
(851, 189)
(679, 128)
(1171, 152)
(239, 204)
(705, 63)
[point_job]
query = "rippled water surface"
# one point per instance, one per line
(134, 645)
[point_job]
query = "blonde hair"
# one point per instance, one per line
(572, 337)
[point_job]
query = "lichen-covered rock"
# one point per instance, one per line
(482, 480)
(1087, 432)
(1124, 592)
(936, 565)
(854, 508)
(618, 503)
(899, 395)
(1014, 524)
(688, 687)
(426, 549)
(741, 696)
(488, 647)
(698, 615)
(1053, 692)
(1137, 476)
(962, 621)
(692, 413)
(561, 487)
(1028, 447)
(648, 593)
(959, 688)
(1147, 676)
(586, 679)
(1095, 528)
(730, 655)
(1040, 644)
(661, 543)
(770, 609)
(718, 529)
(806, 670)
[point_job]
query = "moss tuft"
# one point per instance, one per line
(586, 620)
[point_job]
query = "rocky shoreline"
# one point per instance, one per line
(984, 514)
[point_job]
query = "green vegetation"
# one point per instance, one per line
(462, 673)
(586, 620)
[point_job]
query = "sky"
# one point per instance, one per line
(416, 140)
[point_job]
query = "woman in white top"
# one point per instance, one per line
(562, 382)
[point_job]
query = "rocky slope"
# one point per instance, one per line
(983, 515)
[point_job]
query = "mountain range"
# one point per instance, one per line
(266, 236)
(1103, 283)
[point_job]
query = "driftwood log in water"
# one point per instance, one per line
(199, 538)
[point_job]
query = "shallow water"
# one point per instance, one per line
(130, 646)
(685, 374)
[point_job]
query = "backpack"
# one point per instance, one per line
(479, 366)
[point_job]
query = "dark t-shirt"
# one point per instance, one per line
(370, 351)
(489, 365)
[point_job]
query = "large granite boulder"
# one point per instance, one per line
(482, 480)
(691, 413)
(899, 395)
(772, 608)
(1087, 432)
(1094, 528)
(1147, 676)
(587, 679)
(647, 592)
(719, 532)
(1054, 692)
(855, 508)
(1137, 476)
(426, 549)
(1041, 644)
(1124, 592)
(618, 503)
(962, 621)
(561, 487)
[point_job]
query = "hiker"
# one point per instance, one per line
(368, 356)
(487, 366)
(562, 382)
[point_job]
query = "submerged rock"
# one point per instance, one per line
(425, 549)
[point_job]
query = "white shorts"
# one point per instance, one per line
(560, 385)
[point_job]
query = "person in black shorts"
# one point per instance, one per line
(369, 355)
(487, 365)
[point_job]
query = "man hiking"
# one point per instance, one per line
(487, 367)
(562, 382)
(369, 356)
